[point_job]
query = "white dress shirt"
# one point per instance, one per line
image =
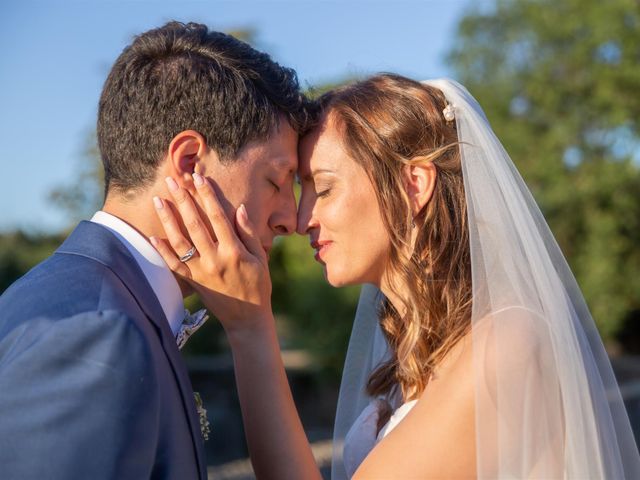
(155, 269)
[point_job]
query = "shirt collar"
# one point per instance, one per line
(155, 269)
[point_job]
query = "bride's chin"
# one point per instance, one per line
(330, 279)
(337, 281)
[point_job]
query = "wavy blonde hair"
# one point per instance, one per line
(387, 122)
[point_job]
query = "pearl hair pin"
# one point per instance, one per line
(449, 113)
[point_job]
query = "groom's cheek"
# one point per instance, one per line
(202, 213)
(225, 202)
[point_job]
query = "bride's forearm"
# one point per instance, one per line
(278, 446)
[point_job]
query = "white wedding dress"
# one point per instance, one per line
(363, 434)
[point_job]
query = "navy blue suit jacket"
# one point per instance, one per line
(92, 385)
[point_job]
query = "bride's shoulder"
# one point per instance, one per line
(514, 333)
(442, 416)
(508, 339)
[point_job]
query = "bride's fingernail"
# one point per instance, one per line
(243, 212)
(154, 241)
(171, 183)
(157, 203)
(197, 179)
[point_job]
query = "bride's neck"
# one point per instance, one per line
(389, 285)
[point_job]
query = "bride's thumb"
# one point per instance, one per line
(247, 233)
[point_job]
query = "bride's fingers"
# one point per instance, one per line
(248, 235)
(171, 227)
(169, 256)
(193, 222)
(222, 228)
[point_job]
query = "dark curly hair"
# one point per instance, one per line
(183, 76)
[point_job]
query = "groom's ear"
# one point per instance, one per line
(187, 152)
(420, 181)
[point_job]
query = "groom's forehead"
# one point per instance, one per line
(280, 149)
(287, 163)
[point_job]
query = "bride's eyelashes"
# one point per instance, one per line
(323, 193)
(323, 187)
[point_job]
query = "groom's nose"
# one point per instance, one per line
(284, 219)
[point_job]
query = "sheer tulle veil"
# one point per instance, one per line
(547, 402)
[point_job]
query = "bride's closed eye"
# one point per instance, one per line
(323, 191)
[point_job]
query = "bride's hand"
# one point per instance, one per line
(230, 272)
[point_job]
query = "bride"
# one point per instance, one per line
(473, 353)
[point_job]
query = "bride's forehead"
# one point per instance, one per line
(322, 148)
(327, 154)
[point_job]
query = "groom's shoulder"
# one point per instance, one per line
(64, 286)
(60, 305)
(57, 281)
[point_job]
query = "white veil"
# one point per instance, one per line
(547, 402)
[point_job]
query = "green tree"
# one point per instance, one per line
(19, 252)
(316, 316)
(83, 195)
(558, 80)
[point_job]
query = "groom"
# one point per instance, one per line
(92, 385)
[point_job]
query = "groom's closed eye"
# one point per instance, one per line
(275, 185)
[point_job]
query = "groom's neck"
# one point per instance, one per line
(138, 211)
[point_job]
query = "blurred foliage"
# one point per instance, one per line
(247, 34)
(82, 195)
(559, 81)
(20, 252)
(316, 91)
(313, 315)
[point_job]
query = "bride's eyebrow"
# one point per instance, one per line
(321, 170)
(309, 176)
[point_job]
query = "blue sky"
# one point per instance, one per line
(55, 56)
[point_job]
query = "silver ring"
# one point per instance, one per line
(187, 256)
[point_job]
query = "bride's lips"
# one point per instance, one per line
(321, 247)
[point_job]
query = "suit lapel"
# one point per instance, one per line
(96, 242)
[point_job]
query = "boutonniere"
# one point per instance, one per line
(202, 413)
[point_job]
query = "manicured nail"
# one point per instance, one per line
(198, 181)
(171, 183)
(243, 212)
(154, 241)
(157, 202)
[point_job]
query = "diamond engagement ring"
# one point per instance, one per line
(187, 256)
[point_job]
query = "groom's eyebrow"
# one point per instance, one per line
(284, 164)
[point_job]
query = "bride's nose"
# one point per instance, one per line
(305, 220)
